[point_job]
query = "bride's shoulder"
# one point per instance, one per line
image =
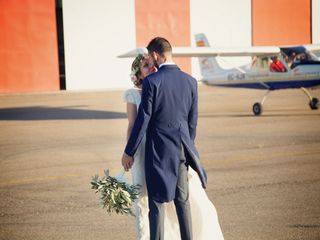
(131, 91)
(129, 95)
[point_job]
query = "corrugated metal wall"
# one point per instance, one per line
(225, 23)
(168, 19)
(28, 46)
(285, 22)
(315, 21)
(96, 31)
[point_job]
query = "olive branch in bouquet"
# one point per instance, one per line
(115, 195)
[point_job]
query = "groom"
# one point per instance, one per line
(168, 115)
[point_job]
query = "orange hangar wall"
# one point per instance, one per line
(285, 22)
(29, 51)
(168, 19)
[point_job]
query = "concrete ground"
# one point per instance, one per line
(264, 172)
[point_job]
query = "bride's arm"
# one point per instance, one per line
(132, 115)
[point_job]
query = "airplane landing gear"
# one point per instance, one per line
(314, 102)
(257, 109)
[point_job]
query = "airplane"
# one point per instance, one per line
(300, 67)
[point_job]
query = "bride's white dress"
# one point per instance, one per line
(205, 224)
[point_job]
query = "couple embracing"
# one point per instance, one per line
(163, 111)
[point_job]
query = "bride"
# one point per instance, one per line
(205, 224)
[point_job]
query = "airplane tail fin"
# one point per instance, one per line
(208, 65)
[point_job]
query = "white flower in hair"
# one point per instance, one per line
(133, 77)
(135, 68)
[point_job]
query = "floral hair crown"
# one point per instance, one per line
(135, 67)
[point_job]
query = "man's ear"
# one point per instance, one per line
(155, 56)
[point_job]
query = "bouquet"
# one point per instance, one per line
(116, 195)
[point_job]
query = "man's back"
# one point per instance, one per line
(174, 92)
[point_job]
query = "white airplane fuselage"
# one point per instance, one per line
(301, 76)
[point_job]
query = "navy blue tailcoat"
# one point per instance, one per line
(168, 116)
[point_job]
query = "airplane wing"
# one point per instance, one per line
(312, 47)
(134, 53)
(315, 48)
(224, 52)
(211, 52)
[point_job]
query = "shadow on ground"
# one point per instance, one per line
(56, 113)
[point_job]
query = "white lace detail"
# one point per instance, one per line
(132, 95)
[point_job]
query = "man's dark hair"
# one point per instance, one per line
(159, 45)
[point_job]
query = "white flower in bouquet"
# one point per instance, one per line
(116, 195)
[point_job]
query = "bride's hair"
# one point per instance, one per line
(135, 70)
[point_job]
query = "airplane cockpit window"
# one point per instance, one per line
(276, 65)
(298, 56)
(259, 64)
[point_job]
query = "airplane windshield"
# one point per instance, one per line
(295, 56)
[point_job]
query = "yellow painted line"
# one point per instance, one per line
(263, 156)
(37, 179)
(51, 178)
(71, 175)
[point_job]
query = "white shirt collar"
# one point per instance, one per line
(166, 63)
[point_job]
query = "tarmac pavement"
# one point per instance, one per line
(264, 172)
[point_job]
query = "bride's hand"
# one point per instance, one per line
(126, 161)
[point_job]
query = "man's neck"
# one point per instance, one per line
(165, 58)
(165, 61)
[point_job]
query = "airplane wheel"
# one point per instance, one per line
(314, 103)
(257, 109)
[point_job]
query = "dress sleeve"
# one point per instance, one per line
(128, 96)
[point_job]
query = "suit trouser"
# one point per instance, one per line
(181, 201)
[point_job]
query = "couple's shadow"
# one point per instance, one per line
(56, 113)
